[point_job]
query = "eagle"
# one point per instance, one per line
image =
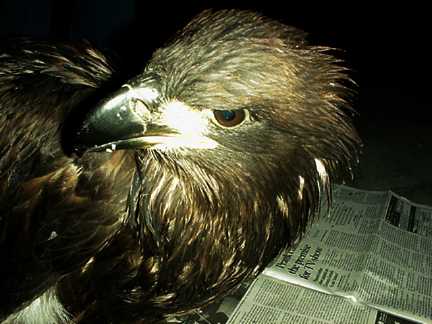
(133, 201)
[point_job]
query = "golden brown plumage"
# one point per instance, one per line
(174, 189)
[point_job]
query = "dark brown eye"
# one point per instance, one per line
(229, 118)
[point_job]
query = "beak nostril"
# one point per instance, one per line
(141, 110)
(146, 94)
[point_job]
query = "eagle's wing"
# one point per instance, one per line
(55, 211)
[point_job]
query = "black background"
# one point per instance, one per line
(386, 45)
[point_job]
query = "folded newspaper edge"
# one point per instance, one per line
(392, 225)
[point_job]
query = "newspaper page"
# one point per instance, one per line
(367, 260)
(274, 301)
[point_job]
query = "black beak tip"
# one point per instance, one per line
(71, 143)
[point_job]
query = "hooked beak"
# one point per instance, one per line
(122, 121)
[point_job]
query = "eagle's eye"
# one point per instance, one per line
(230, 118)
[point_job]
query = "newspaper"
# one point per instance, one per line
(368, 259)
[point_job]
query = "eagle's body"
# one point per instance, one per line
(203, 203)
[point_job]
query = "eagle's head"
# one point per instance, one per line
(237, 126)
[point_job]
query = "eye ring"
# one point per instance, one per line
(230, 118)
